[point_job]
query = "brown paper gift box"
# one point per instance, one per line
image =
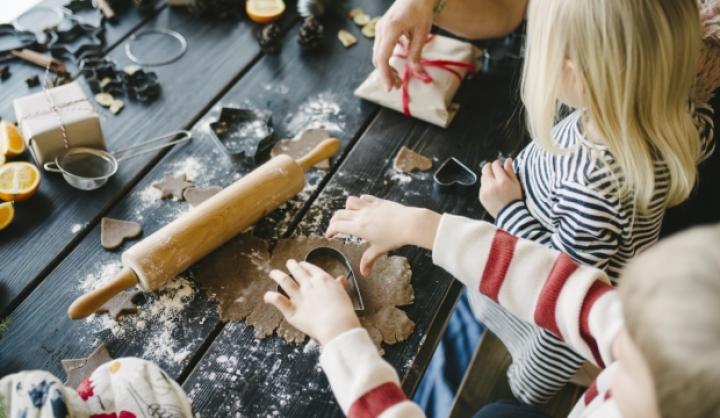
(431, 102)
(42, 116)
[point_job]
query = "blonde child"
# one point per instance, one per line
(596, 184)
(656, 338)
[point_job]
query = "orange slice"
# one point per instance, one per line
(10, 136)
(264, 11)
(7, 213)
(18, 181)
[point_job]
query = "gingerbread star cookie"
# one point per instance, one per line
(172, 186)
(77, 370)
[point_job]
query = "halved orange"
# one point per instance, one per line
(18, 181)
(264, 11)
(7, 213)
(10, 136)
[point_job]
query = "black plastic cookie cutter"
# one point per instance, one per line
(12, 39)
(243, 133)
(76, 41)
(453, 175)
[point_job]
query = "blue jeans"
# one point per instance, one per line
(452, 357)
(509, 409)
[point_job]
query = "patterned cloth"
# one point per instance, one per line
(123, 388)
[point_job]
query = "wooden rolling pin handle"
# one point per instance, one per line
(89, 303)
(322, 151)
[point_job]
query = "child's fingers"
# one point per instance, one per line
(286, 282)
(298, 272)
(283, 304)
(315, 271)
(487, 172)
(343, 215)
(355, 203)
(498, 170)
(509, 169)
(368, 198)
(368, 259)
(341, 227)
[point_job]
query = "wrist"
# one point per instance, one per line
(423, 225)
(336, 329)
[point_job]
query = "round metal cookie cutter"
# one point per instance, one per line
(167, 32)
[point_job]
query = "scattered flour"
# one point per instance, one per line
(319, 111)
(277, 88)
(75, 228)
(398, 176)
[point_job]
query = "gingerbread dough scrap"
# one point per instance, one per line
(172, 186)
(303, 143)
(120, 304)
(113, 232)
(236, 275)
(408, 160)
(78, 370)
(196, 195)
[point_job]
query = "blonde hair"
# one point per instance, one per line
(638, 62)
(671, 301)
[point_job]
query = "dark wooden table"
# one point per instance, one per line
(53, 246)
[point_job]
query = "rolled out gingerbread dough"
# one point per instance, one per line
(236, 275)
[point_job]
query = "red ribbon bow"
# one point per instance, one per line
(408, 72)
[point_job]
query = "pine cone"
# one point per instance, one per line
(310, 34)
(222, 9)
(269, 38)
(144, 6)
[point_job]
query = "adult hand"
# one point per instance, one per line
(385, 225)
(411, 18)
(499, 186)
(316, 303)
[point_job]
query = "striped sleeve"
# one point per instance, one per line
(587, 224)
(535, 283)
(364, 384)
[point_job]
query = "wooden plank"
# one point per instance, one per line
(486, 382)
(294, 385)
(52, 222)
(283, 84)
(127, 20)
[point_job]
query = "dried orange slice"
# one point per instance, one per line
(264, 11)
(7, 213)
(18, 181)
(10, 136)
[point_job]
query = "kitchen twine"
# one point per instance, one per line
(408, 73)
(57, 109)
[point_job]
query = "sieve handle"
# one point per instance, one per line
(149, 146)
(52, 167)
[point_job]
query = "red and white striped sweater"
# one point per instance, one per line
(534, 282)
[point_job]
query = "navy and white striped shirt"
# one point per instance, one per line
(572, 204)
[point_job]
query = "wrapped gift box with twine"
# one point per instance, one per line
(428, 96)
(57, 119)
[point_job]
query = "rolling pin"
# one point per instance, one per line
(178, 245)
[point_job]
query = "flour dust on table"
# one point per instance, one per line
(322, 110)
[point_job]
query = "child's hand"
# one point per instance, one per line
(385, 225)
(318, 304)
(499, 186)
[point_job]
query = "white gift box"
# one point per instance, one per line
(446, 60)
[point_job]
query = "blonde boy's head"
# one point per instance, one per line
(634, 64)
(671, 302)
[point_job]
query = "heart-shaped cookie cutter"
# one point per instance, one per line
(243, 133)
(453, 175)
(317, 254)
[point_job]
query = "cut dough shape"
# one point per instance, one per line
(113, 232)
(120, 304)
(303, 143)
(172, 186)
(196, 195)
(236, 275)
(77, 370)
(408, 160)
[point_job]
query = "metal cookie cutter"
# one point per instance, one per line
(336, 264)
(453, 175)
(90, 168)
(243, 133)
